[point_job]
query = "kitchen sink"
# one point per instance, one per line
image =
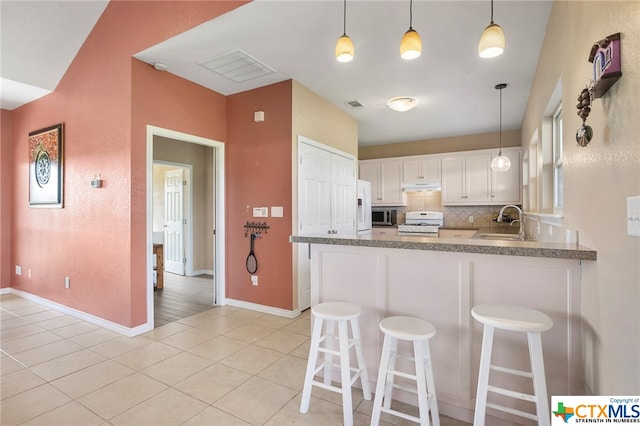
(498, 236)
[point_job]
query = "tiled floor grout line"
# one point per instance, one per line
(151, 340)
(271, 333)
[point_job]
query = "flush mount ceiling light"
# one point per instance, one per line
(344, 47)
(402, 103)
(500, 163)
(492, 40)
(411, 45)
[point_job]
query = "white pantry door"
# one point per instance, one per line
(174, 260)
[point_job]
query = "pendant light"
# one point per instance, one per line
(500, 163)
(411, 45)
(344, 46)
(492, 40)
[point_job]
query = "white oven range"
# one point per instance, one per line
(423, 223)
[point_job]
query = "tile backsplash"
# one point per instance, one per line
(483, 217)
(454, 216)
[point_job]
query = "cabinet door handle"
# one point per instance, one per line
(465, 196)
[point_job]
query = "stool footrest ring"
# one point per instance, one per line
(512, 394)
(513, 371)
(512, 411)
(400, 414)
(327, 387)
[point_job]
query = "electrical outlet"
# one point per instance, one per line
(254, 280)
(67, 282)
(470, 219)
(18, 270)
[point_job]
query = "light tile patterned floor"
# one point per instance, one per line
(225, 366)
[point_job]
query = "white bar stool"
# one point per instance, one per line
(519, 319)
(419, 332)
(341, 313)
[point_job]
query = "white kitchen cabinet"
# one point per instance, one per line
(386, 181)
(506, 187)
(466, 179)
(422, 169)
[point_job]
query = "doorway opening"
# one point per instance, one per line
(185, 218)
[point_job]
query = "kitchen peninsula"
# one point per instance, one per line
(440, 280)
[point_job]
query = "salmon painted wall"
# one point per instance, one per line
(163, 100)
(6, 189)
(98, 238)
(258, 174)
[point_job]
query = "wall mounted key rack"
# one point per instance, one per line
(255, 228)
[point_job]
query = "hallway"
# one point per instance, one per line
(182, 297)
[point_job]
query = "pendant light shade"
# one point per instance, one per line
(492, 41)
(411, 45)
(344, 47)
(500, 163)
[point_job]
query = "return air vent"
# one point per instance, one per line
(355, 104)
(238, 66)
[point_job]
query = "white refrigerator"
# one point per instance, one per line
(363, 215)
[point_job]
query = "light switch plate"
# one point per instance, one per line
(633, 216)
(261, 212)
(277, 212)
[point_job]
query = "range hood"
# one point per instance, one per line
(421, 186)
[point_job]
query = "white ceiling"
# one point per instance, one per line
(454, 87)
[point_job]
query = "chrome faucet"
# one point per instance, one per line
(519, 220)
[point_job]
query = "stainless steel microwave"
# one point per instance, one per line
(381, 216)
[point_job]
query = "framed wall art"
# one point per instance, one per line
(45, 166)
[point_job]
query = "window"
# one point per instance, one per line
(558, 185)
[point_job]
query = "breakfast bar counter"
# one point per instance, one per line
(457, 245)
(440, 280)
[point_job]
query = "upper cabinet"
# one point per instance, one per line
(467, 179)
(385, 176)
(421, 169)
(506, 187)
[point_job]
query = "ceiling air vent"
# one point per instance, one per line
(355, 104)
(238, 66)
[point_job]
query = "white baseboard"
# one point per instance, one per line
(262, 308)
(101, 322)
(5, 290)
(197, 272)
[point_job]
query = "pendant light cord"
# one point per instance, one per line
(491, 22)
(344, 17)
(411, 14)
(500, 137)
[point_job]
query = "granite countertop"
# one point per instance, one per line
(456, 245)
